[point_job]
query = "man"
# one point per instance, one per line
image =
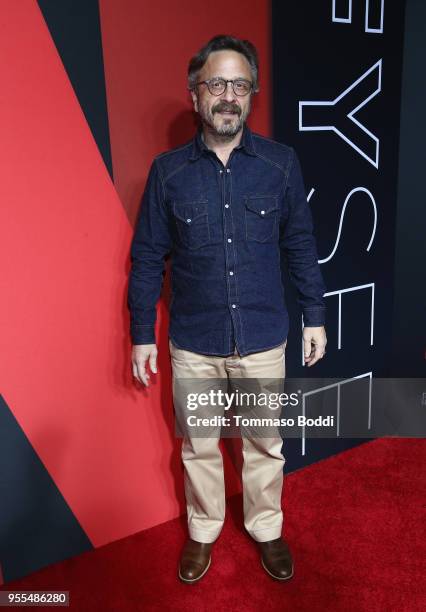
(231, 207)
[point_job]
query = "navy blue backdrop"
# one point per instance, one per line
(337, 95)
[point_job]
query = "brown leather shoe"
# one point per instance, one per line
(195, 560)
(276, 559)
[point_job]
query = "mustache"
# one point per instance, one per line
(226, 107)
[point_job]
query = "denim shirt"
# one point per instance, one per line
(229, 230)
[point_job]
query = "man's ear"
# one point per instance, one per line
(194, 99)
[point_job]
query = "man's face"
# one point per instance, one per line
(226, 113)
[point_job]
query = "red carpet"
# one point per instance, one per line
(355, 523)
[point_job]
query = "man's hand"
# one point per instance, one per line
(140, 354)
(314, 341)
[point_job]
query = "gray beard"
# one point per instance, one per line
(230, 129)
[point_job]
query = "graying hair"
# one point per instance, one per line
(223, 42)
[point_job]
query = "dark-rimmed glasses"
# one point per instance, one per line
(217, 86)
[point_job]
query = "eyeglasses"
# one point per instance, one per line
(217, 86)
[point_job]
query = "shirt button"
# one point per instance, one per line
(262, 212)
(226, 205)
(229, 239)
(228, 170)
(189, 220)
(233, 305)
(220, 171)
(231, 273)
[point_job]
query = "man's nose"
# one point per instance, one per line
(228, 94)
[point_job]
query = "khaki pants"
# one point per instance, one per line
(262, 474)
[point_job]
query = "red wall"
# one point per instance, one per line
(66, 232)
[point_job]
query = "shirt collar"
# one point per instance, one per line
(246, 144)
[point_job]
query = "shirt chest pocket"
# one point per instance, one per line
(192, 222)
(261, 217)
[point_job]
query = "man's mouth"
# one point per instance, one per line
(227, 112)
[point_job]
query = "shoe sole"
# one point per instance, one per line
(277, 577)
(192, 580)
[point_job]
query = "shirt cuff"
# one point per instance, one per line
(142, 334)
(314, 316)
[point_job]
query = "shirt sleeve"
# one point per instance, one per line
(150, 244)
(298, 247)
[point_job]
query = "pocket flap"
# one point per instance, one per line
(189, 211)
(262, 205)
